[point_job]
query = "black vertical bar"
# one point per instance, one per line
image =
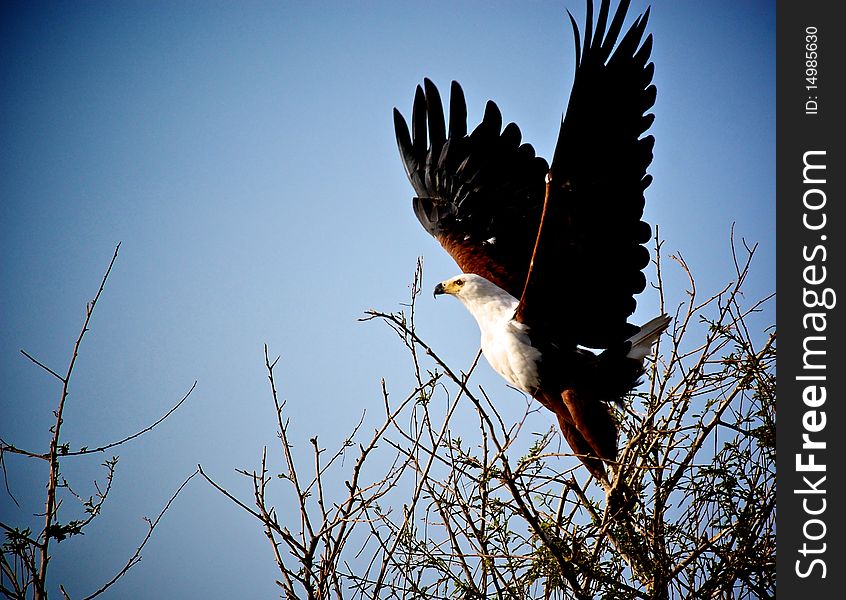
(811, 225)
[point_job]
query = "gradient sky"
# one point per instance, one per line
(244, 156)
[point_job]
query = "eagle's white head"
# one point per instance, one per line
(469, 286)
(478, 294)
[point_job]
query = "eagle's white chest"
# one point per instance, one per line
(505, 343)
(510, 352)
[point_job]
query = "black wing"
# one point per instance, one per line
(590, 251)
(480, 194)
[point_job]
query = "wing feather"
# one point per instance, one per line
(457, 112)
(435, 118)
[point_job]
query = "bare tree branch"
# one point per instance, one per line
(136, 556)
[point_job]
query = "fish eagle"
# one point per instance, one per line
(552, 256)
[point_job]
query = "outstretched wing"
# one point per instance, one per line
(480, 194)
(589, 255)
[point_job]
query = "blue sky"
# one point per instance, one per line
(244, 155)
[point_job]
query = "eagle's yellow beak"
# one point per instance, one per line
(450, 286)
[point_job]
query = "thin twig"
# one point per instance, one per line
(128, 438)
(136, 556)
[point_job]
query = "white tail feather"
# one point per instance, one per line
(643, 340)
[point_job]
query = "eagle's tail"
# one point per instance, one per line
(620, 368)
(643, 340)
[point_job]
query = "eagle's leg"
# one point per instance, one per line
(580, 446)
(594, 421)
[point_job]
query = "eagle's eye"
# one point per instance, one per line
(459, 282)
